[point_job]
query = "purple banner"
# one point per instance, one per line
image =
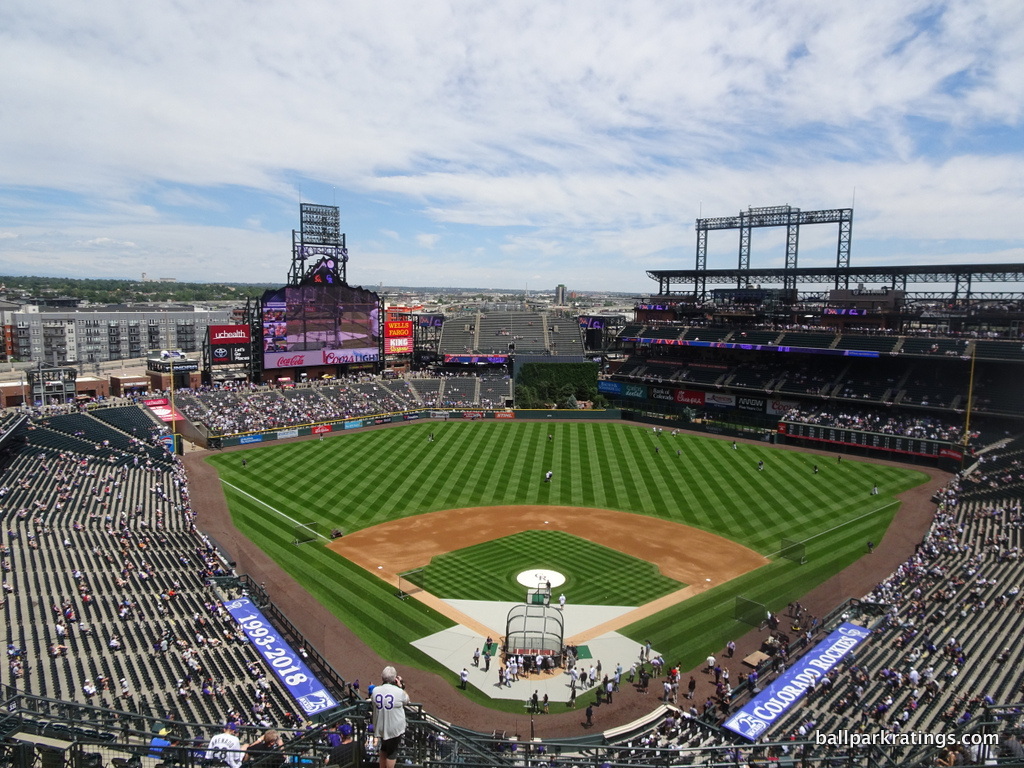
(282, 659)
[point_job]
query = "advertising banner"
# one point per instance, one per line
(638, 391)
(354, 424)
(161, 408)
(504, 414)
(761, 712)
(285, 663)
(284, 434)
(689, 397)
(246, 439)
(229, 334)
(781, 407)
(279, 360)
(663, 393)
(321, 429)
(720, 400)
(611, 387)
(751, 403)
(494, 359)
(397, 329)
(398, 346)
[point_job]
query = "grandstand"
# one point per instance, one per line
(107, 575)
(138, 572)
(503, 333)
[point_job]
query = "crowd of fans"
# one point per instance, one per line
(249, 408)
(923, 427)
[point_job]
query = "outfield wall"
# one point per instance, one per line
(456, 414)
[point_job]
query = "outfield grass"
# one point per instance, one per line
(353, 481)
(595, 575)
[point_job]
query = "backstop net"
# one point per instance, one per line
(303, 533)
(750, 612)
(535, 629)
(793, 550)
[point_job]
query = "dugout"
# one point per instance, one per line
(534, 629)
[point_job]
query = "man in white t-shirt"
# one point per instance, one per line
(225, 748)
(389, 701)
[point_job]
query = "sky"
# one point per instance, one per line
(504, 145)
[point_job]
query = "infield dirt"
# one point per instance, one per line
(697, 558)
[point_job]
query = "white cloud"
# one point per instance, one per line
(577, 137)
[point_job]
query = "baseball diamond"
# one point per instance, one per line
(705, 515)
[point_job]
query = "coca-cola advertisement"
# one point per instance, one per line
(290, 359)
(321, 429)
(320, 324)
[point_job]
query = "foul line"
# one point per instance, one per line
(837, 527)
(273, 509)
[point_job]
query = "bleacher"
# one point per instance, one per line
(495, 334)
(932, 346)
(860, 341)
(427, 392)
(707, 375)
(928, 387)
(953, 628)
(103, 566)
(999, 350)
(810, 340)
(770, 338)
(700, 333)
(566, 337)
(494, 391)
(866, 387)
(458, 335)
(663, 332)
(460, 391)
(750, 376)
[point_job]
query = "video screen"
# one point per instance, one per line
(321, 324)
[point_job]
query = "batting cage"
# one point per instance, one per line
(535, 629)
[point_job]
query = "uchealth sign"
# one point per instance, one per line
(779, 696)
(229, 334)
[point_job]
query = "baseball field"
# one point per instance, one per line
(630, 516)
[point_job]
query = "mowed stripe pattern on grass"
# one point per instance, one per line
(595, 575)
(358, 480)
